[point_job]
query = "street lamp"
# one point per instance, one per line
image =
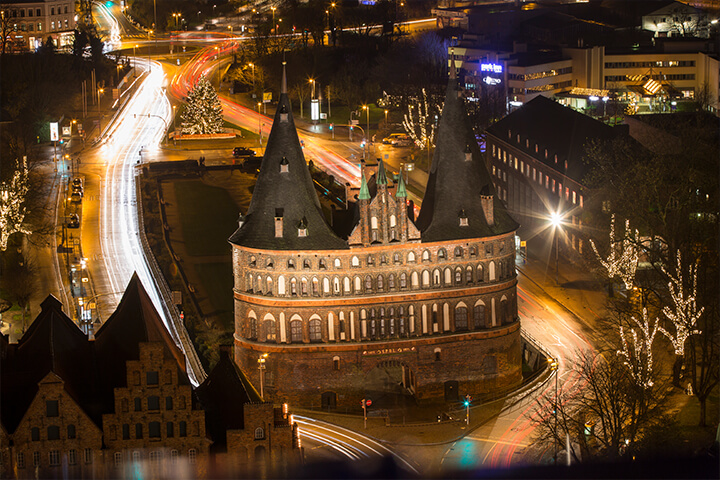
(177, 17)
(556, 221)
(273, 17)
(259, 126)
(261, 367)
(252, 65)
(367, 130)
(386, 112)
(554, 368)
(312, 86)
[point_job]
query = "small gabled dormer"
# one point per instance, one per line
(278, 223)
(284, 165)
(462, 218)
(302, 228)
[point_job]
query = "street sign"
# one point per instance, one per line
(368, 402)
(267, 97)
(66, 131)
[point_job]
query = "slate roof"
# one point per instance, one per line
(292, 194)
(222, 395)
(561, 130)
(454, 184)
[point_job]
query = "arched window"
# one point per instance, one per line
(269, 328)
(249, 283)
(355, 262)
(437, 354)
(306, 264)
(358, 284)
(373, 223)
(269, 263)
(346, 285)
(393, 221)
(259, 284)
(403, 280)
(468, 274)
(296, 335)
(315, 330)
(363, 323)
(336, 363)
(442, 254)
(293, 287)
(396, 258)
(458, 252)
(252, 326)
(458, 276)
(336, 286)
(447, 280)
(370, 260)
(380, 283)
(491, 271)
(415, 279)
(461, 317)
(368, 283)
(315, 287)
(473, 251)
(391, 281)
(383, 259)
(338, 264)
(436, 278)
(259, 433)
(426, 255)
(411, 257)
(269, 285)
(304, 287)
(426, 278)
(480, 273)
(504, 311)
(326, 286)
(252, 261)
(291, 263)
(281, 285)
(479, 315)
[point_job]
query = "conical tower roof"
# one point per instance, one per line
(284, 190)
(457, 177)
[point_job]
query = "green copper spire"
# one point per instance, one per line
(401, 192)
(364, 192)
(381, 176)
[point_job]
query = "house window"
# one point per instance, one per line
(296, 331)
(403, 280)
(71, 432)
(411, 257)
(72, 456)
(88, 456)
(170, 430)
(315, 331)
(437, 354)
(126, 431)
(461, 318)
(368, 283)
(138, 404)
(54, 458)
(183, 429)
(138, 430)
(336, 363)
(118, 459)
(479, 316)
(21, 460)
(153, 402)
(154, 429)
(355, 262)
(35, 434)
(152, 378)
(192, 456)
(174, 454)
(259, 433)
(168, 403)
(426, 256)
(36, 459)
(136, 457)
(53, 432)
(51, 408)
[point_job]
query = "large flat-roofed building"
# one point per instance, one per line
(424, 308)
(30, 23)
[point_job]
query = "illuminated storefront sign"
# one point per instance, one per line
(491, 67)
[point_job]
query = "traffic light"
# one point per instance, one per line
(331, 127)
(468, 400)
(351, 128)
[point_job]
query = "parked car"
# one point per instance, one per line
(74, 221)
(243, 152)
(393, 138)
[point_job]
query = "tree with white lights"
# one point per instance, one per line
(638, 355)
(203, 112)
(421, 120)
(12, 204)
(622, 260)
(684, 313)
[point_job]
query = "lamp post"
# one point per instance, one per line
(259, 126)
(261, 367)
(554, 367)
(312, 88)
(252, 65)
(367, 124)
(386, 113)
(273, 18)
(556, 221)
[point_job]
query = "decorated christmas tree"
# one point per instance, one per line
(203, 112)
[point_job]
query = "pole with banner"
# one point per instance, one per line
(54, 136)
(267, 98)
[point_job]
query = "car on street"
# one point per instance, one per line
(74, 221)
(243, 152)
(394, 138)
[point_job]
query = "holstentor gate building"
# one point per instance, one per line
(426, 307)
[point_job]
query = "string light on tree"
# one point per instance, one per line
(420, 121)
(622, 260)
(203, 112)
(12, 204)
(638, 356)
(684, 314)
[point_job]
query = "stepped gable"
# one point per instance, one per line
(457, 177)
(284, 197)
(52, 343)
(134, 321)
(222, 395)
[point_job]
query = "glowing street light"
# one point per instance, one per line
(367, 130)
(312, 93)
(261, 367)
(273, 17)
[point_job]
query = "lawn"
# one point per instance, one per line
(208, 216)
(217, 278)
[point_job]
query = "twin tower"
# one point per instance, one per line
(423, 307)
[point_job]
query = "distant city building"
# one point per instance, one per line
(678, 20)
(122, 404)
(30, 23)
(424, 308)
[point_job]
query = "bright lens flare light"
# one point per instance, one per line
(555, 219)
